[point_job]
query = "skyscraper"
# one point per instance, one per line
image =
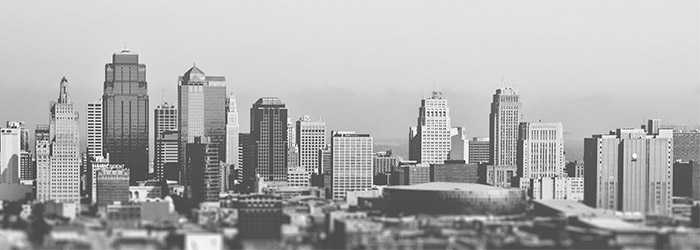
(540, 150)
(686, 145)
(166, 137)
(42, 150)
(64, 158)
(430, 139)
(505, 118)
(629, 170)
(10, 155)
(479, 150)
(94, 129)
(202, 113)
(203, 170)
(125, 114)
(352, 163)
(268, 132)
(310, 137)
(232, 141)
(459, 144)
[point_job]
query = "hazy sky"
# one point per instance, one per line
(364, 65)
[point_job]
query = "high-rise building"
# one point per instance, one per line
(248, 162)
(479, 150)
(125, 114)
(629, 170)
(268, 132)
(203, 170)
(233, 151)
(505, 117)
(430, 139)
(459, 144)
(10, 155)
(352, 163)
(310, 137)
(686, 179)
(42, 150)
(686, 145)
(166, 137)
(60, 181)
(540, 150)
(94, 129)
(112, 184)
(202, 113)
(325, 160)
(27, 170)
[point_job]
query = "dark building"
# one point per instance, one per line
(686, 179)
(325, 160)
(454, 171)
(203, 170)
(125, 114)
(416, 174)
(686, 145)
(27, 171)
(247, 163)
(112, 185)
(479, 150)
(259, 217)
(574, 169)
(268, 131)
(166, 163)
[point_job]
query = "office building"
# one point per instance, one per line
(352, 163)
(10, 155)
(42, 150)
(94, 166)
(60, 180)
(505, 117)
(629, 170)
(574, 169)
(310, 137)
(125, 113)
(385, 162)
(112, 185)
(430, 139)
(268, 131)
(292, 147)
(248, 162)
(325, 160)
(203, 172)
(686, 179)
(540, 155)
(233, 152)
(259, 217)
(554, 188)
(459, 144)
(497, 175)
(479, 150)
(298, 177)
(166, 141)
(686, 145)
(27, 170)
(202, 114)
(94, 129)
(454, 171)
(415, 173)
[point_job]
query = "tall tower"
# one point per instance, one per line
(94, 129)
(310, 138)
(232, 142)
(268, 132)
(352, 163)
(629, 170)
(10, 155)
(504, 120)
(64, 155)
(166, 141)
(125, 114)
(42, 150)
(202, 114)
(430, 139)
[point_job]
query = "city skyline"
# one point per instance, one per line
(627, 54)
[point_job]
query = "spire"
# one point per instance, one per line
(232, 103)
(63, 94)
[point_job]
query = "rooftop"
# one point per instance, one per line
(448, 186)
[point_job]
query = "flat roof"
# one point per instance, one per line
(615, 225)
(570, 207)
(448, 186)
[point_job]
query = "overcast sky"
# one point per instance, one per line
(364, 65)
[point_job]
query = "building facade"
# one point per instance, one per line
(201, 114)
(94, 129)
(233, 152)
(166, 141)
(686, 145)
(10, 155)
(352, 163)
(479, 150)
(42, 150)
(385, 162)
(112, 185)
(268, 131)
(505, 117)
(64, 151)
(125, 113)
(310, 137)
(454, 171)
(629, 170)
(203, 170)
(459, 144)
(430, 139)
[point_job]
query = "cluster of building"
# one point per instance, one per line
(291, 182)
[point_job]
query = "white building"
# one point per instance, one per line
(60, 181)
(232, 141)
(459, 144)
(430, 139)
(298, 177)
(352, 163)
(504, 120)
(310, 137)
(10, 155)
(94, 129)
